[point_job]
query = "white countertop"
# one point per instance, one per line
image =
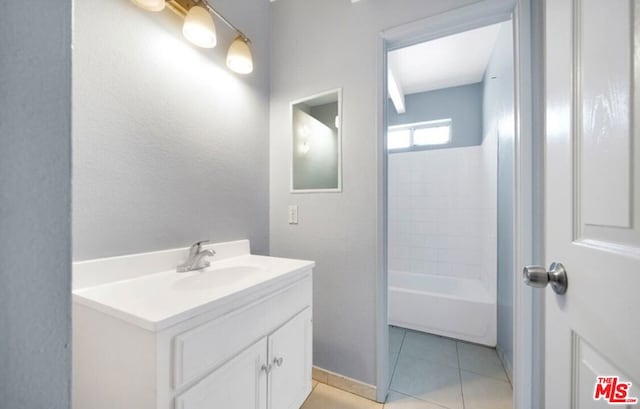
(159, 300)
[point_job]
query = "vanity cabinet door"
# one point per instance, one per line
(290, 356)
(241, 383)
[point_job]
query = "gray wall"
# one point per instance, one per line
(462, 104)
(35, 204)
(338, 231)
(169, 146)
(499, 117)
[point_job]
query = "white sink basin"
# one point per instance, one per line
(159, 300)
(210, 278)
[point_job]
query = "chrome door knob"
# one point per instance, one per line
(539, 277)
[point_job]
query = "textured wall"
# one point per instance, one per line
(462, 104)
(169, 146)
(35, 204)
(499, 120)
(338, 231)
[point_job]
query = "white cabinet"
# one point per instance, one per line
(238, 384)
(290, 359)
(252, 353)
(274, 373)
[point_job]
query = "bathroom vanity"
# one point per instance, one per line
(236, 335)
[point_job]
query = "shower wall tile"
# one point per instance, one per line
(442, 212)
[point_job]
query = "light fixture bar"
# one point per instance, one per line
(224, 20)
(181, 8)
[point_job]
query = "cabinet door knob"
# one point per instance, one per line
(278, 361)
(266, 368)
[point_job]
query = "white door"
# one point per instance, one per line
(241, 383)
(290, 358)
(592, 197)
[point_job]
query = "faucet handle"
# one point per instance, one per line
(195, 247)
(201, 242)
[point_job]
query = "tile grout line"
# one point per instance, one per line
(504, 368)
(404, 335)
(395, 365)
(484, 375)
(431, 360)
(460, 374)
(421, 400)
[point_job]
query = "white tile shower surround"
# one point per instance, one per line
(430, 372)
(442, 212)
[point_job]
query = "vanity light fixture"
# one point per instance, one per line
(199, 29)
(239, 56)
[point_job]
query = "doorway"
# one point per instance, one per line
(450, 217)
(441, 283)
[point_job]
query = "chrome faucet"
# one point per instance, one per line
(196, 259)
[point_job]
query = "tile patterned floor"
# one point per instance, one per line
(430, 372)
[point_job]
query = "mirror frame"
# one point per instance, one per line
(291, 138)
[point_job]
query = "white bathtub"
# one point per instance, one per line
(453, 307)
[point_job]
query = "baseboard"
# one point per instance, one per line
(505, 363)
(344, 383)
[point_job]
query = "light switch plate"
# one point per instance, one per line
(293, 214)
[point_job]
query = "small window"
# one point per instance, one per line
(437, 135)
(419, 135)
(399, 139)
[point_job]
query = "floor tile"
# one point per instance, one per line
(314, 383)
(396, 335)
(483, 392)
(430, 347)
(397, 400)
(481, 360)
(326, 397)
(428, 381)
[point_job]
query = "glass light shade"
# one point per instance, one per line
(199, 28)
(239, 57)
(151, 5)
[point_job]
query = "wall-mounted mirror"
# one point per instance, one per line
(317, 138)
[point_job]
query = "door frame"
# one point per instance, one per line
(527, 374)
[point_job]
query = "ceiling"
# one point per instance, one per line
(451, 61)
